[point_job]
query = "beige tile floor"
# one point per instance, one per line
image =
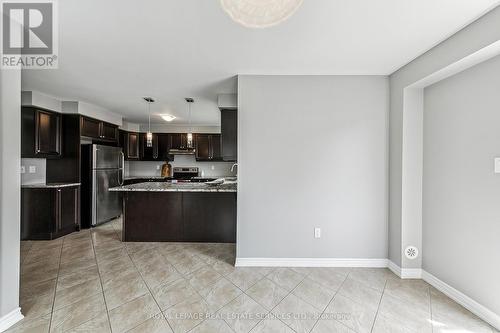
(92, 282)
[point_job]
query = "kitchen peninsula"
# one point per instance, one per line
(179, 212)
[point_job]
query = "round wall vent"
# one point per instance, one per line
(411, 252)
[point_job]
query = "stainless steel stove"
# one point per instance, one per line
(185, 173)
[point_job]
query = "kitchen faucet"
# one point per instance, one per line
(232, 167)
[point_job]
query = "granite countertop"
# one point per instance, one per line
(229, 186)
(145, 177)
(53, 185)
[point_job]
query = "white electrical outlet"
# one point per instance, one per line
(158, 167)
(497, 164)
(23, 169)
(317, 232)
(32, 169)
(213, 167)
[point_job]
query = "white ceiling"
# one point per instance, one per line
(111, 53)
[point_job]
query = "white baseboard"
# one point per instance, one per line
(10, 319)
(462, 299)
(404, 273)
(309, 262)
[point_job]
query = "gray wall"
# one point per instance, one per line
(10, 182)
(210, 169)
(312, 152)
(472, 38)
(461, 210)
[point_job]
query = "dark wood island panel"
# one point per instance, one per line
(179, 216)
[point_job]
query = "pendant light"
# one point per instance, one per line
(149, 134)
(190, 101)
(260, 13)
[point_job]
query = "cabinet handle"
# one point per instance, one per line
(76, 208)
(59, 213)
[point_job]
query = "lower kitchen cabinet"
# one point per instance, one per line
(209, 217)
(179, 217)
(49, 213)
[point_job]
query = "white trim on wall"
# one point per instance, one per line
(309, 262)
(404, 273)
(10, 319)
(479, 310)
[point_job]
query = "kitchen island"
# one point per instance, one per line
(179, 212)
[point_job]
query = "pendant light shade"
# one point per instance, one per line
(149, 134)
(189, 142)
(260, 13)
(149, 139)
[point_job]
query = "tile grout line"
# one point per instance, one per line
(289, 293)
(330, 302)
(184, 276)
(55, 287)
(378, 308)
(203, 298)
(100, 281)
(149, 289)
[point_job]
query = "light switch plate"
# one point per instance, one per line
(497, 164)
(23, 169)
(32, 169)
(317, 232)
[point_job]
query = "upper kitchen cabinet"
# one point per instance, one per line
(109, 131)
(178, 141)
(40, 133)
(130, 142)
(229, 130)
(163, 147)
(208, 147)
(90, 128)
(96, 129)
(158, 150)
(148, 153)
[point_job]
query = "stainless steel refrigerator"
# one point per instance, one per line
(102, 168)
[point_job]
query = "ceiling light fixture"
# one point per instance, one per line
(260, 13)
(167, 117)
(190, 101)
(149, 135)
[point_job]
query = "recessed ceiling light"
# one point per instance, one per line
(167, 117)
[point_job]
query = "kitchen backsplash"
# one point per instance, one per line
(38, 166)
(208, 169)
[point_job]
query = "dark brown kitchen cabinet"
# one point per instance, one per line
(96, 129)
(109, 131)
(148, 153)
(131, 147)
(49, 213)
(90, 128)
(179, 217)
(209, 217)
(178, 141)
(208, 147)
(229, 133)
(163, 147)
(40, 133)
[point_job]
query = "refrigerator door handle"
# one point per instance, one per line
(121, 169)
